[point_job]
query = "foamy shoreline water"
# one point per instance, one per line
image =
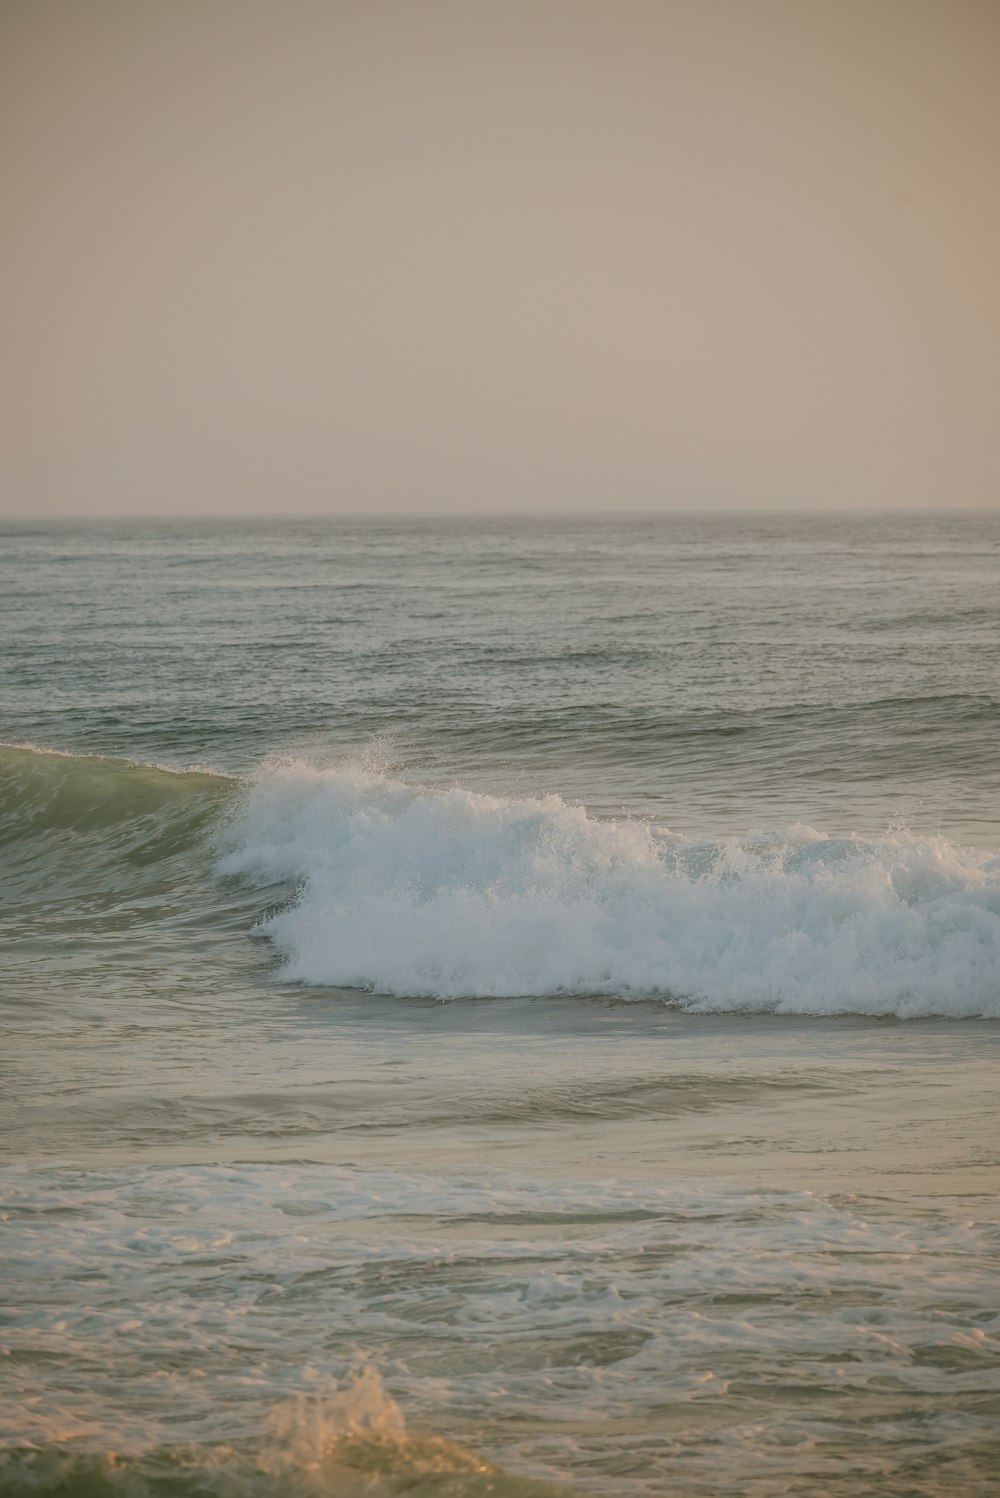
(553, 1321)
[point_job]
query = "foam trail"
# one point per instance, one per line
(420, 893)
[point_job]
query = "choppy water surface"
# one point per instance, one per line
(500, 1007)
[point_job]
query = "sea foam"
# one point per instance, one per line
(414, 892)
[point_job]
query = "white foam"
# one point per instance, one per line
(518, 1308)
(422, 893)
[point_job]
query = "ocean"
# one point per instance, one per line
(500, 1006)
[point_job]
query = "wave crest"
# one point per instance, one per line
(452, 893)
(341, 1442)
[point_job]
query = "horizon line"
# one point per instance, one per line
(610, 513)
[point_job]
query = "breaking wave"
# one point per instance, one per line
(343, 1442)
(448, 894)
(405, 890)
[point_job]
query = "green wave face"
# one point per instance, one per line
(111, 902)
(73, 825)
(44, 792)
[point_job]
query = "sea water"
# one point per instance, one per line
(500, 1006)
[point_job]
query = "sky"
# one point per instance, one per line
(322, 256)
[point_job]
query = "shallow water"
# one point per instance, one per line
(501, 1007)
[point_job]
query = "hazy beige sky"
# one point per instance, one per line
(499, 254)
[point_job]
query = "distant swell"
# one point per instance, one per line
(447, 894)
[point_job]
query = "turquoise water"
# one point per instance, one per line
(500, 1006)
